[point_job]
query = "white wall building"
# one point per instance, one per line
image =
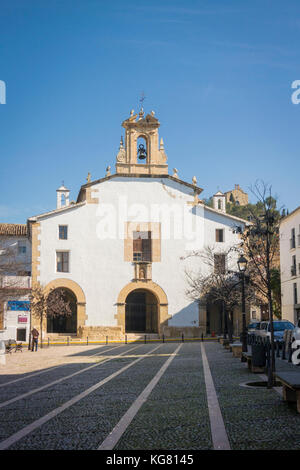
(121, 250)
(290, 265)
(15, 282)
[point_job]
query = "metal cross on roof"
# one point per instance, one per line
(142, 98)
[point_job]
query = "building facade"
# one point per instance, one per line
(15, 282)
(121, 251)
(290, 265)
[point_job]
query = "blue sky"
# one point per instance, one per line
(217, 73)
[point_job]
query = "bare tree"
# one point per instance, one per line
(45, 303)
(260, 242)
(217, 285)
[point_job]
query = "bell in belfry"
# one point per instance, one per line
(142, 152)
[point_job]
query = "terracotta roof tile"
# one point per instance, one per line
(13, 229)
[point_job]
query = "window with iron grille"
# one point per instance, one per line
(21, 248)
(219, 235)
(62, 261)
(293, 267)
(63, 232)
(295, 294)
(142, 248)
(293, 239)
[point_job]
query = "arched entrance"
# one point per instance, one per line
(63, 323)
(77, 293)
(141, 312)
(151, 288)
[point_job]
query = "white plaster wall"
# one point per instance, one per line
(95, 241)
(17, 261)
(286, 253)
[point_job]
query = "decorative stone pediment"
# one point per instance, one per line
(140, 127)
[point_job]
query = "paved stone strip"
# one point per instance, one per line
(39, 422)
(43, 387)
(48, 370)
(218, 431)
(115, 435)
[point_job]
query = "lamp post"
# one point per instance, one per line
(242, 264)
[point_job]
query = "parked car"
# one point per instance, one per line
(278, 325)
(252, 327)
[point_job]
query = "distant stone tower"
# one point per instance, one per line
(142, 153)
(237, 196)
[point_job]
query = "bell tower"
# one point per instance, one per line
(142, 153)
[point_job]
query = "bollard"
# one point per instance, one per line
(283, 352)
(145, 339)
(268, 346)
(277, 349)
(68, 341)
(87, 340)
(182, 337)
(202, 337)
(48, 342)
(290, 352)
(125, 339)
(163, 338)
(106, 339)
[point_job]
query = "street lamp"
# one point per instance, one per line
(242, 264)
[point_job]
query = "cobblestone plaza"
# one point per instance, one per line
(141, 397)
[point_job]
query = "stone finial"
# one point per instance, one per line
(108, 173)
(161, 145)
(175, 173)
(121, 154)
(194, 180)
(89, 177)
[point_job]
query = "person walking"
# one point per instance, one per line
(35, 337)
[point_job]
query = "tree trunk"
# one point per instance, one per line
(41, 334)
(230, 326)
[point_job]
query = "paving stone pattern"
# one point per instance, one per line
(175, 415)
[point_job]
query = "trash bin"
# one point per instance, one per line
(258, 355)
(2, 352)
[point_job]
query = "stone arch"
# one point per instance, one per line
(145, 137)
(77, 291)
(157, 291)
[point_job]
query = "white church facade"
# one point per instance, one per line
(121, 250)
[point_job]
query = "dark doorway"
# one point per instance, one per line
(64, 324)
(141, 312)
(21, 334)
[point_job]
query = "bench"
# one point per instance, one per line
(255, 369)
(236, 349)
(290, 386)
(11, 346)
